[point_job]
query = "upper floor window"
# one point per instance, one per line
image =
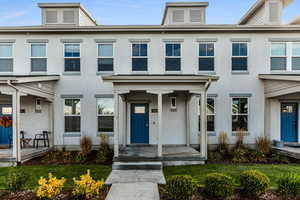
(240, 112)
(173, 57)
(239, 56)
(38, 58)
(105, 114)
(105, 58)
(278, 56)
(6, 57)
(206, 57)
(296, 56)
(139, 57)
(72, 111)
(72, 57)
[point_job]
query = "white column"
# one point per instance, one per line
(160, 124)
(125, 123)
(16, 125)
(203, 132)
(187, 120)
(116, 125)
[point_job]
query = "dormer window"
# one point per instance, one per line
(195, 15)
(274, 11)
(178, 16)
(68, 16)
(51, 17)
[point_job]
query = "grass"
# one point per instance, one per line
(200, 171)
(98, 172)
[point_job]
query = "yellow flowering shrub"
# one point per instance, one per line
(86, 186)
(50, 188)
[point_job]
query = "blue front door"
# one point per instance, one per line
(5, 124)
(139, 123)
(289, 122)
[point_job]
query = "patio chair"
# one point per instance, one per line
(24, 141)
(44, 137)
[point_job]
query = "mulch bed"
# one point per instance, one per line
(65, 195)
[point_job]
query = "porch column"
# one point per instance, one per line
(116, 124)
(203, 119)
(123, 120)
(160, 124)
(16, 125)
(187, 120)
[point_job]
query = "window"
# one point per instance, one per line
(38, 58)
(72, 57)
(178, 16)
(296, 56)
(68, 16)
(51, 16)
(105, 58)
(6, 58)
(72, 115)
(105, 114)
(206, 57)
(210, 113)
(239, 56)
(139, 57)
(278, 56)
(240, 111)
(173, 60)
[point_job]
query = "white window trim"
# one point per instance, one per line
(113, 55)
(103, 115)
(12, 57)
(214, 114)
(165, 57)
(240, 71)
(287, 68)
(198, 54)
(67, 72)
(131, 55)
(241, 114)
(292, 56)
(31, 57)
(64, 103)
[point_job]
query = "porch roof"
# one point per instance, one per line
(28, 78)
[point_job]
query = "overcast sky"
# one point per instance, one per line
(123, 12)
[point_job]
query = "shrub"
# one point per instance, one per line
(289, 185)
(258, 157)
(240, 137)
(105, 154)
(86, 187)
(67, 156)
(50, 188)
(86, 145)
(263, 145)
(16, 180)
(80, 157)
(52, 156)
(278, 158)
(215, 156)
(240, 155)
(254, 182)
(180, 187)
(218, 185)
(223, 145)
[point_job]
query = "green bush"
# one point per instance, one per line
(218, 185)
(215, 156)
(254, 182)
(16, 180)
(279, 158)
(258, 157)
(105, 154)
(80, 157)
(180, 187)
(240, 155)
(289, 185)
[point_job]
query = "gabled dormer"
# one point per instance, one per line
(184, 13)
(265, 12)
(72, 14)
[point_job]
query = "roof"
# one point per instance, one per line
(295, 21)
(28, 78)
(182, 4)
(68, 5)
(282, 77)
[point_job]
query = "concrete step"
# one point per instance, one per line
(137, 166)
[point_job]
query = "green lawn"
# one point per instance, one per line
(199, 172)
(98, 172)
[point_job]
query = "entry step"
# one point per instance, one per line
(137, 166)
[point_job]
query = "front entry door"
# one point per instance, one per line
(5, 124)
(289, 122)
(139, 123)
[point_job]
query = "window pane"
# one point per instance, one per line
(176, 50)
(105, 123)
(139, 64)
(239, 122)
(210, 50)
(143, 49)
(135, 50)
(72, 50)
(169, 50)
(243, 49)
(296, 49)
(235, 49)
(278, 63)
(239, 64)
(38, 64)
(72, 107)
(105, 50)
(105, 106)
(6, 65)
(211, 123)
(72, 123)
(5, 50)
(72, 65)
(278, 50)
(202, 50)
(38, 50)
(173, 64)
(206, 64)
(210, 106)
(235, 105)
(105, 64)
(296, 63)
(240, 105)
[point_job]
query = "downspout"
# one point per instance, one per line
(207, 84)
(18, 158)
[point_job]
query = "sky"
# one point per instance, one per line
(135, 12)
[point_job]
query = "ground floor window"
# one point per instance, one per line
(105, 114)
(210, 112)
(240, 114)
(72, 115)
